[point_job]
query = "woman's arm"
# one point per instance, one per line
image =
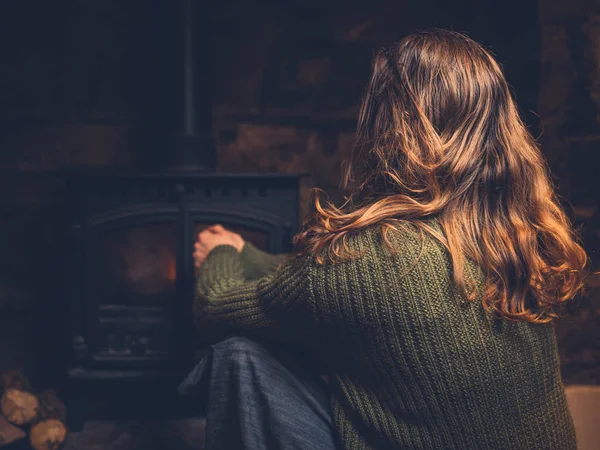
(277, 306)
(256, 263)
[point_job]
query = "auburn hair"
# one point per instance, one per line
(439, 135)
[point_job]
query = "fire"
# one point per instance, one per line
(150, 262)
(171, 270)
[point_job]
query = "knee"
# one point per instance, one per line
(239, 345)
(240, 354)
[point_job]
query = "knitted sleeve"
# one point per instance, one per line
(257, 263)
(276, 306)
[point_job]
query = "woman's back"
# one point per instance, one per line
(445, 324)
(415, 365)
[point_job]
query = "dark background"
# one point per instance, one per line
(86, 82)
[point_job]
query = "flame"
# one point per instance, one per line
(150, 263)
(171, 270)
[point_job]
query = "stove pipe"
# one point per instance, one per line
(189, 145)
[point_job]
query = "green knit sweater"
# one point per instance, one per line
(412, 364)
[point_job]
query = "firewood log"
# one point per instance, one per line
(48, 430)
(9, 433)
(18, 403)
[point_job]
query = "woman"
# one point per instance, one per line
(428, 297)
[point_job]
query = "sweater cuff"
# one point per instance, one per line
(223, 261)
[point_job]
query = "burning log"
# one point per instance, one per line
(18, 403)
(9, 433)
(48, 431)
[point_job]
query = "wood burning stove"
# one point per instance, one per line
(132, 274)
(131, 271)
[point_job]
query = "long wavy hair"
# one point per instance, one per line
(439, 135)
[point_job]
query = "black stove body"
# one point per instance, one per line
(132, 276)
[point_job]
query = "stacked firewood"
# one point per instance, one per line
(23, 412)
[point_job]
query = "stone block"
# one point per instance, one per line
(559, 10)
(52, 147)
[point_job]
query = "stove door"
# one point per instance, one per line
(132, 290)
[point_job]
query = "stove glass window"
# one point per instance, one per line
(137, 265)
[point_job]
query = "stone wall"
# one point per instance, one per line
(66, 99)
(286, 83)
(305, 65)
(569, 108)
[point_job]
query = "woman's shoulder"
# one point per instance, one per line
(383, 241)
(384, 256)
(397, 235)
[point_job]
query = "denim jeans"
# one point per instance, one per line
(261, 397)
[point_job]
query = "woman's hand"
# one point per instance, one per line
(212, 237)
